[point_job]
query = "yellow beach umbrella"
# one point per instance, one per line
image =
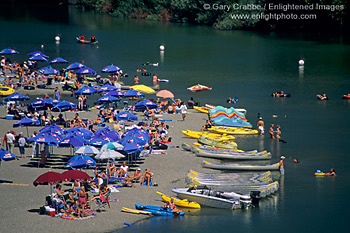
(143, 88)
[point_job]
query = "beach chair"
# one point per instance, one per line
(102, 204)
(126, 106)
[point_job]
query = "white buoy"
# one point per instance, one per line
(42, 46)
(161, 48)
(301, 62)
(57, 38)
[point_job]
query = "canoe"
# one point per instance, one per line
(196, 134)
(85, 41)
(196, 145)
(134, 211)
(217, 143)
(241, 167)
(5, 91)
(160, 211)
(179, 202)
(211, 198)
(232, 154)
(233, 130)
(186, 146)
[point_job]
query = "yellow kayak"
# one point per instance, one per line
(196, 134)
(5, 91)
(232, 130)
(179, 202)
(201, 109)
(134, 211)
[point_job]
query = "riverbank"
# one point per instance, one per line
(20, 200)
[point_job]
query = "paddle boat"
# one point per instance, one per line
(5, 91)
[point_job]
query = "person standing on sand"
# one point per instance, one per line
(57, 94)
(10, 140)
(183, 110)
(21, 145)
(260, 126)
(271, 131)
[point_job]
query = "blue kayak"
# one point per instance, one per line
(157, 210)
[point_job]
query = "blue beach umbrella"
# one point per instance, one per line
(6, 155)
(26, 122)
(80, 161)
(144, 104)
(75, 66)
(40, 104)
(131, 147)
(85, 70)
(126, 116)
(37, 53)
(107, 132)
(87, 150)
(132, 93)
(49, 71)
(86, 91)
(16, 96)
(46, 139)
(80, 129)
(53, 127)
(106, 87)
(50, 100)
(137, 131)
(8, 51)
(58, 60)
(108, 99)
(70, 142)
(38, 58)
(99, 141)
(115, 93)
(64, 106)
(110, 69)
(136, 139)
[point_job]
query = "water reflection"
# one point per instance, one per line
(301, 72)
(161, 56)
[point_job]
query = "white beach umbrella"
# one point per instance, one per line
(109, 154)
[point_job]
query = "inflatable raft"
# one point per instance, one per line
(196, 135)
(232, 130)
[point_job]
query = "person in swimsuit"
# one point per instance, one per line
(271, 131)
(82, 196)
(282, 165)
(260, 126)
(331, 172)
(278, 132)
(123, 170)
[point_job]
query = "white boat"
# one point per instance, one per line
(241, 167)
(215, 199)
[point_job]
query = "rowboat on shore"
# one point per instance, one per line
(232, 154)
(215, 199)
(241, 167)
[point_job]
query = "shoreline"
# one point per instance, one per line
(19, 212)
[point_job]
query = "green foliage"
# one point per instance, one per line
(193, 12)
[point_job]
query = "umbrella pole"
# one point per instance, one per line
(27, 132)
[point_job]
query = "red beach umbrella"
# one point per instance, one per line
(48, 178)
(75, 175)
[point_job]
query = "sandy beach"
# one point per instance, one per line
(20, 200)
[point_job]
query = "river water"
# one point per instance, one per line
(248, 65)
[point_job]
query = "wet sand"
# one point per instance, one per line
(20, 200)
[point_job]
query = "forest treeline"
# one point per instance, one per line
(310, 15)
